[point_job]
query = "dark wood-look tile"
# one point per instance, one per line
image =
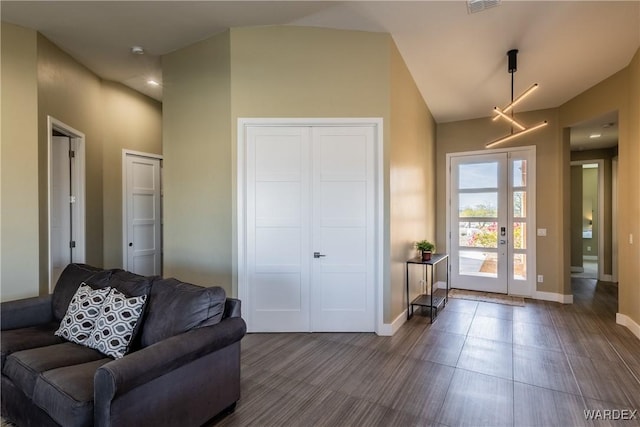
(453, 322)
(499, 311)
(478, 400)
(487, 357)
(533, 312)
(610, 382)
(492, 328)
(438, 346)
(462, 305)
(541, 407)
(533, 335)
(582, 343)
(543, 368)
(419, 388)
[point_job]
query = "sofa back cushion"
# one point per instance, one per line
(175, 307)
(69, 282)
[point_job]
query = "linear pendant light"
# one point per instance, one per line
(514, 135)
(501, 113)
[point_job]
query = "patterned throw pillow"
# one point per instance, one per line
(80, 318)
(115, 324)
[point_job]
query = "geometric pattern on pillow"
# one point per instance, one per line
(80, 318)
(115, 324)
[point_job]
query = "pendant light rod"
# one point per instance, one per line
(514, 135)
(509, 119)
(516, 101)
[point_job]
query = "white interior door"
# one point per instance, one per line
(492, 221)
(61, 208)
(343, 223)
(310, 228)
(143, 214)
(278, 221)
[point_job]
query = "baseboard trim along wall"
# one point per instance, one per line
(388, 329)
(554, 297)
(629, 323)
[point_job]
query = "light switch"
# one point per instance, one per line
(542, 232)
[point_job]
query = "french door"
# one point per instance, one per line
(492, 209)
(310, 228)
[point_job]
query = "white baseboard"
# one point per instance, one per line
(388, 329)
(441, 285)
(629, 323)
(606, 278)
(554, 297)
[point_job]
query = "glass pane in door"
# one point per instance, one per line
(473, 263)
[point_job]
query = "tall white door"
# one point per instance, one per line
(310, 228)
(492, 222)
(61, 218)
(143, 214)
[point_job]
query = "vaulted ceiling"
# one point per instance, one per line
(458, 59)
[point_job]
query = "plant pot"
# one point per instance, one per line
(426, 255)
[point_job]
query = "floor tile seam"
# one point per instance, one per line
(552, 390)
(624, 362)
(566, 355)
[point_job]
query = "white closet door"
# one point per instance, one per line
(278, 222)
(310, 210)
(342, 295)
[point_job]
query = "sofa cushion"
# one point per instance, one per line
(80, 319)
(24, 367)
(189, 306)
(114, 326)
(25, 338)
(130, 284)
(66, 394)
(70, 279)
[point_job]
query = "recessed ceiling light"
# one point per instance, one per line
(137, 50)
(153, 83)
(595, 135)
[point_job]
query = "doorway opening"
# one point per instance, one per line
(66, 198)
(491, 220)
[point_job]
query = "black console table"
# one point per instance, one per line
(435, 298)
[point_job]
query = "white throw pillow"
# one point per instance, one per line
(80, 318)
(115, 325)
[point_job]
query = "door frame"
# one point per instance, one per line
(125, 153)
(600, 207)
(531, 287)
(240, 261)
(79, 184)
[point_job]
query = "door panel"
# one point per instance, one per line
(491, 218)
(310, 189)
(60, 216)
(143, 215)
(277, 203)
(479, 211)
(343, 224)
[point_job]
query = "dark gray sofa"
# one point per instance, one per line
(183, 368)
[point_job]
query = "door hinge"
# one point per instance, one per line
(72, 244)
(72, 154)
(72, 199)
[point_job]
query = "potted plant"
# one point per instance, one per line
(426, 248)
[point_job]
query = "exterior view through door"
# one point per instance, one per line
(310, 211)
(491, 221)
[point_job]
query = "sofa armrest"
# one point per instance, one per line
(121, 375)
(26, 312)
(232, 308)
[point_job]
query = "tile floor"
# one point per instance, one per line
(479, 364)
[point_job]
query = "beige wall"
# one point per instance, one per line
(620, 92)
(132, 121)
(314, 72)
(590, 210)
(18, 164)
(472, 135)
(412, 179)
(69, 92)
(276, 72)
(198, 179)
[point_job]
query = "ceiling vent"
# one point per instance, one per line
(474, 6)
